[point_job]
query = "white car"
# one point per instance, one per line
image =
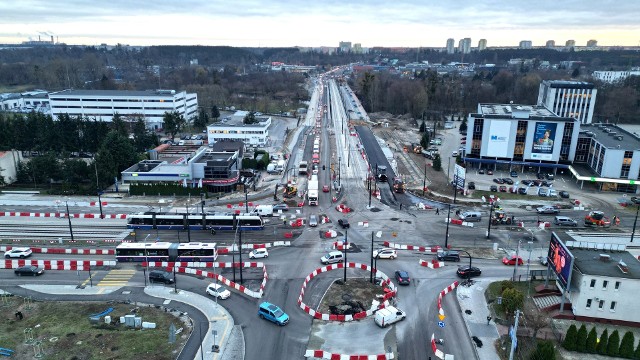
(18, 252)
(548, 209)
(218, 291)
(385, 254)
(259, 253)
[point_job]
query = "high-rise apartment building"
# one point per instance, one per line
(570, 44)
(482, 44)
(592, 43)
(526, 44)
(464, 45)
(551, 43)
(574, 99)
(345, 46)
(451, 46)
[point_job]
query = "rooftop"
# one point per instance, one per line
(566, 84)
(588, 262)
(239, 122)
(112, 93)
(208, 157)
(611, 136)
(515, 111)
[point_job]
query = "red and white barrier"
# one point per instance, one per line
(71, 251)
(321, 354)
(433, 264)
(62, 215)
(437, 352)
(339, 245)
(386, 282)
(444, 292)
(56, 264)
(343, 208)
(188, 268)
(229, 249)
(432, 249)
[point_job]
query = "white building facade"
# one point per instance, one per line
(251, 134)
(613, 77)
(574, 99)
(102, 105)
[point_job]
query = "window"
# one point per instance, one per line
(588, 303)
(593, 283)
(617, 286)
(600, 304)
(605, 283)
(612, 308)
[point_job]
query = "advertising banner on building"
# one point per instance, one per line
(544, 136)
(560, 260)
(498, 144)
(459, 176)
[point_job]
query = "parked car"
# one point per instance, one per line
(388, 315)
(385, 254)
(448, 256)
(511, 260)
(564, 221)
(259, 253)
(489, 172)
(542, 192)
(507, 181)
(164, 277)
(526, 182)
(514, 174)
(543, 260)
(540, 176)
(481, 171)
(219, 291)
(564, 194)
(548, 209)
(471, 185)
(332, 257)
(18, 252)
(313, 220)
(493, 188)
(522, 191)
(282, 206)
(502, 188)
(273, 313)
(467, 272)
(344, 223)
(29, 270)
(402, 277)
(325, 188)
(550, 176)
(498, 181)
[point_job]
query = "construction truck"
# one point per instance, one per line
(398, 185)
(500, 218)
(290, 191)
(596, 218)
(312, 191)
(381, 173)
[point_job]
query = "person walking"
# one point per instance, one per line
(437, 211)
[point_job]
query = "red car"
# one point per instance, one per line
(512, 260)
(325, 188)
(503, 188)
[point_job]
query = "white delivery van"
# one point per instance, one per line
(263, 210)
(388, 316)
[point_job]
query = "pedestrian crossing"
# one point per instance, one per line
(117, 277)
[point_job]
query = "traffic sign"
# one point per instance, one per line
(441, 324)
(441, 316)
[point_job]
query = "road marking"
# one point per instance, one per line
(117, 278)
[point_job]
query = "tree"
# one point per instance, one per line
(602, 345)
(570, 338)
(423, 127)
(463, 126)
(636, 354)
(626, 345)
(544, 351)
(202, 119)
(437, 163)
(143, 139)
(575, 74)
(581, 339)
(119, 125)
(613, 346)
(512, 299)
(424, 141)
(250, 118)
(592, 341)
(173, 123)
(215, 113)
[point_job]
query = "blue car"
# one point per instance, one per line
(273, 313)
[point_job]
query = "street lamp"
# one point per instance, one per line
(490, 214)
(446, 237)
(633, 232)
(344, 246)
(95, 165)
(69, 218)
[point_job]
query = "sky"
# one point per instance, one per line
(277, 23)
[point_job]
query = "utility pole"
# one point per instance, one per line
(424, 181)
(344, 246)
(69, 218)
(633, 232)
(240, 252)
(490, 213)
(339, 165)
(446, 236)
(246, 199)
(514, 338)
(369, 182)
(515, 267)
(371, 273)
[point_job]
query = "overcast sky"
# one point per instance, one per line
(321, 23)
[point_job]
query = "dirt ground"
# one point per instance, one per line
(356, 294)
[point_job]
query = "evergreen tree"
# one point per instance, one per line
(463, 126)
(544, 351)
(201, 120)
(613, 346)
(636, 354)
(424, 141)
(423, 127)
(215, 113)
(581, 339)
(602, 345)
(570, 338)
(592, 341)
(437, 163)
(173, 122)
(626, 345)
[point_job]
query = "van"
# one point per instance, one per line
(263, 210)
(273, 313)
(332, 257)
(164, 277)
(388, 315)
(470, 216)
(564, 221)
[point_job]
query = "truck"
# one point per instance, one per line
(280, 165)
(398, 185)
(312, 192)
(388, 315)
(271, 168)
(263, 210)
(303, 168)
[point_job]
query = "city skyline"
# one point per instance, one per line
(294, 23)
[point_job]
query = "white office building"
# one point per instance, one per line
(612, 77)
(256, 134)
(574, 99)
(102, 105)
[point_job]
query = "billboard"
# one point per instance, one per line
(560, 260)
(459, 176)
(544, 136)
(498, 144)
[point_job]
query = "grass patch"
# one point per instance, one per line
(66, 333)
(359, 291)
(494, 290)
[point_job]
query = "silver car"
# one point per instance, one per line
(313, 220)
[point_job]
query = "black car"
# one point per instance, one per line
(448, 256)
(283, 207)
(344, 223)
(522, 191)
(526, 182)
(507, 181)
(467, 272)
(29, 270)
(471, 185)
(402, 277)
(164, 277)
(481, 171)
(540, 176)
(564, 194)
(498, 181)
(493, 188)
(514, 174)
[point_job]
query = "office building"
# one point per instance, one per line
(482, 44)
(551, 43)
(517, 137)
(569, 99)
(451, 46)
(102, 105)
(256, 134)
(36, 100)
(464, 46)
(525, 44)
(613, 77)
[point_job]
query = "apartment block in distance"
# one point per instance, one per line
(102, 105)
(574, 99)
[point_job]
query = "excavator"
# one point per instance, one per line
(596, 218)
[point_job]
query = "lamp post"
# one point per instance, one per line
(490, 213)
(95, 165)
(69, 218)
(446, 236)
(371, 273)
(339, 165)
(344, 246)
(633, 232)
(515, 267)
(188, 221)
(424, 181)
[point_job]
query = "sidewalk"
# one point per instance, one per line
(472, 299)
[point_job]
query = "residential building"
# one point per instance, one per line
(569, 98)
(612, 77)
(482, 44)
(570, 44)
(464, 46)
(517, 137)
(102, 105)
(525, 44)
(550, 44)
(345, 46)
(592, 43)
(451, 46)
(357, 48)
(256, 134)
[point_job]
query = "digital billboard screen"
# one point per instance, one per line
(498, 144)
(544, 136)
(560, 260)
